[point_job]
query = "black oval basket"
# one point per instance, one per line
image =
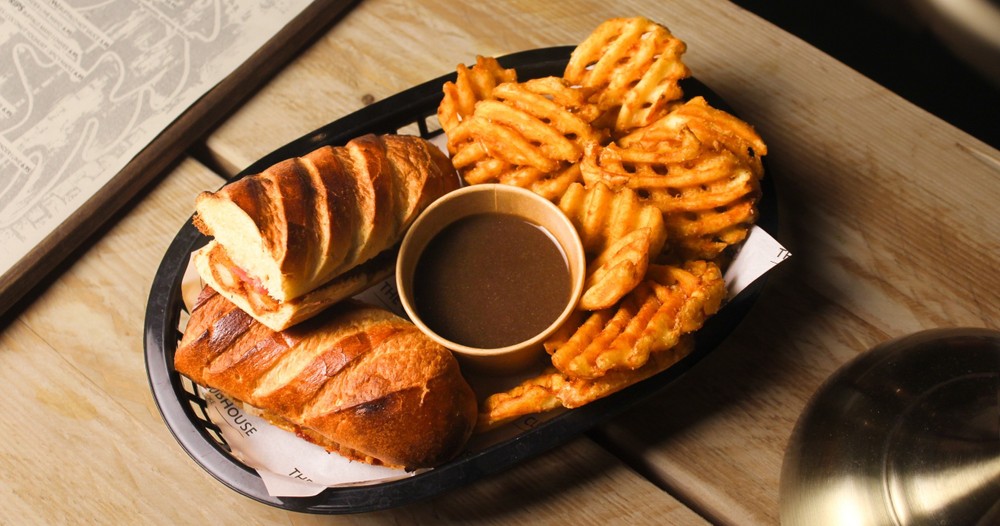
(411, 112)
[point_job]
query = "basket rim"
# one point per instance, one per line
(414, 105)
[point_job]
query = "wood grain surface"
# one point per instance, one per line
(890, 213)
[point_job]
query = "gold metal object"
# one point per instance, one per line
(906, 433)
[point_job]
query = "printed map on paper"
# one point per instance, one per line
(87, 84)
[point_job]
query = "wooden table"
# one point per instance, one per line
(891, 214)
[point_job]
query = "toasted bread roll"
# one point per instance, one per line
(287, 240)
(356, 379)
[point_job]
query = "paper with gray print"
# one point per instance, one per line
(85, 85)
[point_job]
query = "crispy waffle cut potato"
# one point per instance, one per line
(552, 389)
(671, 301)
(617, 270)
(620, 235)
(635, 67)
(471, 86)
(603, 215)
(529, 134)
(699, 166)
(713, 125)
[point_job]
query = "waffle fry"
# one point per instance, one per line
(635, 66)
(617, 270)
(553, 389)
(712, 125)
(699, 166)
(530, 134)
(603, 216)
(666, 344)
(535, 395)
(620, 235)
(471, 85)
(670, 302)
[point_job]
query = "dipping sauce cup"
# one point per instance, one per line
(490, 271)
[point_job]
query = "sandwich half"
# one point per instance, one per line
(310, 231)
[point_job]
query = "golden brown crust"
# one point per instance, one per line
(355, 379)
(290, 230)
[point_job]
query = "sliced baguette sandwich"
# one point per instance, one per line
(313, 230)
(355, 379)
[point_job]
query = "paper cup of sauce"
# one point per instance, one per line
(490, 271)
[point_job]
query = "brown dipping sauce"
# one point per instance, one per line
(491, 280)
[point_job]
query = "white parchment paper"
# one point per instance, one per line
(288, 465)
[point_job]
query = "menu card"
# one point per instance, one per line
(85, 86)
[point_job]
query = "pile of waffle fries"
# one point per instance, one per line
(660, 189)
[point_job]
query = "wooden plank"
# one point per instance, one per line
(72, 451)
